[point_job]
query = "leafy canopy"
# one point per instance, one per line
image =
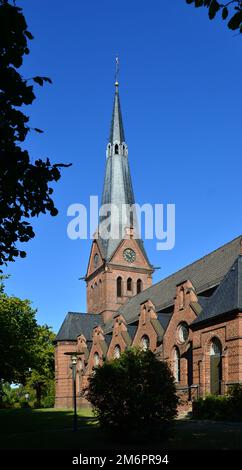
(18, 332)
(26, 348)
(40, 380)
(231, 9)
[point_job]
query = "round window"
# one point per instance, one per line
(183, 332)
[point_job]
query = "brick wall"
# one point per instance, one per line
(63, 374)
(228, 333)
(194, 368)
(102, 279)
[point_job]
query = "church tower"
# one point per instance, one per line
(118, 266)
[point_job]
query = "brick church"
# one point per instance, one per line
(192, 319)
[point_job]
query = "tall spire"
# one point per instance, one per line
(117, 188)
(117, 130)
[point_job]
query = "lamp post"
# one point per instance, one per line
(74, 356)
(74, 363)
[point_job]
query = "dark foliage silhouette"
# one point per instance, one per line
(231, 10)
(134, 394)
(24, 185)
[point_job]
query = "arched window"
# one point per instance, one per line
(129, 284)
(123, 149)
(215, 347)
(116, 149)
(95, 293)
(215, 352)
(176, 365)
(119, 287)
(139, 286)
(145, 342)
(96, 359)
(181, 298)
(189, 358)
(117, 352)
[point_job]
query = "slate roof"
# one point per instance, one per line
(108, 338)
(132, 330)
(76, 323)
(227, 297)
(117, 129)
(164, 319)
(204, 273)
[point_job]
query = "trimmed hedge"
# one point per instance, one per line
(216, 407)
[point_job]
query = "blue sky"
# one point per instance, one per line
(180, 88)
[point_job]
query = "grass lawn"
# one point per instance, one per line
(52, 429)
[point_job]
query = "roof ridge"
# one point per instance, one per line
(238, 268)
(83, 313)
(76, 313)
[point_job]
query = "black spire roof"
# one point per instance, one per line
(117, 130)
(118, 189)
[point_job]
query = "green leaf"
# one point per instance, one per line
(199, 3)
(213, 9)
(207, 3)
(39, 80)
(29, 35)
(38, 130)
(47, 79)
(235, 21)
(225, 13)
(189, 1)
(54, 212)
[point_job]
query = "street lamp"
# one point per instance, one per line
(73, 367)
(74, 363)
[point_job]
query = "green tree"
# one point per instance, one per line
(41, 376)
(231, 9)
(18, 332)
(135, 393)
(25, 189)
(26, 353)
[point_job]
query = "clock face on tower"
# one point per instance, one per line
(129, 255)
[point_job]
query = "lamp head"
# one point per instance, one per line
(73, 359)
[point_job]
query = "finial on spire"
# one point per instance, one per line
(116, 71)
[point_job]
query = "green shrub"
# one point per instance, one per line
(25, 397)
(235, 401)
(48, 400)
(134, 394)
(212, 407)
(10, 396)
(220, 407)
